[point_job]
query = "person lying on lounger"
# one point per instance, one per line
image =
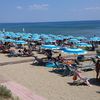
(77, 74)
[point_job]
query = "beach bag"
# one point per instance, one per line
(74, 77)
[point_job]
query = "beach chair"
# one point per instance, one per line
(57, 65)
(80, 58)
(39, 61)
(12, 53)
(69, 66)
(67, 70)
(98, 52)
(90, 65)
(81, 80)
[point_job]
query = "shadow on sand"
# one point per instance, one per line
(38, 64)
(61, 72)
(98, 92)
(94, 81)
(76, 84)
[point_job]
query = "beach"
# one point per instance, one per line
(49, 50)
(44, 82)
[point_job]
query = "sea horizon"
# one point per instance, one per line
(87, 28)
(50, 21)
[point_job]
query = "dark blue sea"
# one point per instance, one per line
(75, 28)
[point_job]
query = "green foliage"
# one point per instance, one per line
(4, 92)
(15, 98)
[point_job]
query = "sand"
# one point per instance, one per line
(46, 83)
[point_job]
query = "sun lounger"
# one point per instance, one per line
(39, 61)
(12, 53)
(82, 82)
(90, 65)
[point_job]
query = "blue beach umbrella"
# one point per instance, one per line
(69, 37)
(20, 42)
(74, 40)
(35, 38)
(1, 39)
(83, 45)
(9, 40)
(52, 47)
(15, 36)
(81, 38)
(44, 36)
(76, 51)
(49, 40)
(2, 35)
(26, 38)
(95, 39)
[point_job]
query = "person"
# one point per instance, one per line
(20, 53)
(60, 58)
(25, 51)
(98, 68)
(77, 74)
(93, 47)
(49, 54)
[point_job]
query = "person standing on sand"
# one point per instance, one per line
(98, 68)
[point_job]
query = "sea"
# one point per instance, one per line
(74, 28)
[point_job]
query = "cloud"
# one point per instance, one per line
(38, 7)
(19, 7)
(92, 8)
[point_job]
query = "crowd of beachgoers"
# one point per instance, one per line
(24, 44)
(65, 55)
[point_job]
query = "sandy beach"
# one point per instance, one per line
(48, 84)
(49, 50)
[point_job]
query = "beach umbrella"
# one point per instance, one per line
(25, 37)
(20, 42)
(2, 35)
(95, 39)
(74, 40)
(15, 36)
(83, 45)
(81, 38)
(9, 40)
(49, 40)
(58, 37)
(1, 39)
(35, 38)
(52, 47)
(69, 37)
(76, 51)
(44, 36)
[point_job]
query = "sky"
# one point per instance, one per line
(48, 10)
